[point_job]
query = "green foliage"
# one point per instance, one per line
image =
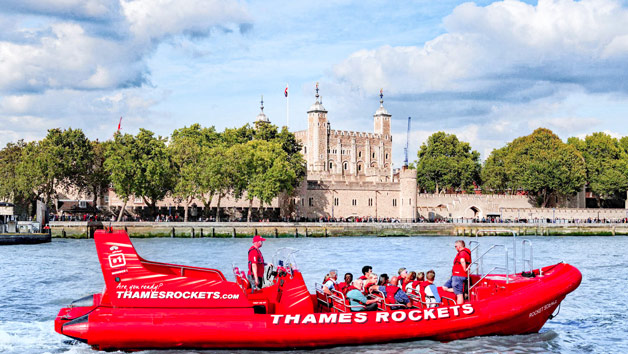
(188, 148)
(606, 164)
(447, 163)
(11, 188)
(539, 163)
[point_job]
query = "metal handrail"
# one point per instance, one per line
(523, 255)
(475, 249)
(479, 261)
(489, 273)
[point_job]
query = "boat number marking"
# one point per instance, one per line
(543, 308)
(116, 259)
(363, 317)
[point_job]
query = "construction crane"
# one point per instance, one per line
(405, 150)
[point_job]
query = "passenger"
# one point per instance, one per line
(420, 276)
(256, 263)
(428, 288)
(394, 281)
(372, 280)
(462, 261)
(394, 295)
(366, 272)
(330, 283)
(383, 280)
(407, 283)
(357, 298)
(403, 274)
(343, 286)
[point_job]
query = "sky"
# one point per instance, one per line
(486, 71)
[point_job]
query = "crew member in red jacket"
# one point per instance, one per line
(462, 261)
(256, 263)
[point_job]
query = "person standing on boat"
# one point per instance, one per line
(256, 263)
(462, 261)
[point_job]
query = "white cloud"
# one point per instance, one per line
(156, 19)
(504, 51)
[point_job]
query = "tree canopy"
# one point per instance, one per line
(606, 164)
(444, 162)
(539, 163)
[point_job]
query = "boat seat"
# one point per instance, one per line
(324, 300)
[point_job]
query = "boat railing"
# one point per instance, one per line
(479, 263)
(528, 261)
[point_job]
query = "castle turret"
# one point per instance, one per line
(261, 117)
(317, 154)
(407, 194)
(382, 118)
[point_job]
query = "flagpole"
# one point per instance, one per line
(287, 109)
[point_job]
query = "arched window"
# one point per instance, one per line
(359, 167)
(386, 156)
(331, 165)
(359, 153)
(345, 166)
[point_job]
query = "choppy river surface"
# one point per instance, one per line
(36, 280)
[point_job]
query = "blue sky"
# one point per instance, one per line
(485, 71)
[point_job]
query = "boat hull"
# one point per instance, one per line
(149, 305)
(145, 328)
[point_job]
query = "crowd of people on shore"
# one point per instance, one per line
(366, 219)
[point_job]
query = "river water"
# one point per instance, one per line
(37, 280)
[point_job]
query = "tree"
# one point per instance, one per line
(187, 148)
(494, 173)
(14, 187)
(96, 179)
(154, 175)
(265, 170)
(606, 164)
(539, 163)
(444, 162)
(121, 164)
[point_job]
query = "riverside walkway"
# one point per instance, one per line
(80, 229)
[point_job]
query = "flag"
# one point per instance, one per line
(119, 123)
(285, 93)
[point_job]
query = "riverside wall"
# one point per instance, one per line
(315, 229)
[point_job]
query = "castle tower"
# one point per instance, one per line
(318, 138)
(382, 118)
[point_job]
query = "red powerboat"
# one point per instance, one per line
(148, 305)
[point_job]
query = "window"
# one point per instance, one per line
(354, 202)
(410, 201)
(305, 149)
(386, 156)
(370, 201)
(331, 165)
(106, 199)
(394, 202)
(82, 204)
(359, 167)
(302, 201)
(373, 155)
(359, 153)
(345, 166)
(138, 199)
(311, 201)
(336, 201)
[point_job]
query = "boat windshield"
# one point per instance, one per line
(285, 257)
